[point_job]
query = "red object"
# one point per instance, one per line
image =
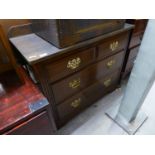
(15, 99)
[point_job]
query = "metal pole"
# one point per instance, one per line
(141, 79)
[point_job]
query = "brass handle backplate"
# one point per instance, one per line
(107, 82)
(110, 63)
(74, 63)
(114, 45)
(74, 84)
(76, 103)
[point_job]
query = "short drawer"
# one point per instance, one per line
(78, 102)
(69, 64)
(133, 52)
(135, 40)
(38, 125)
(113, 45)
(79, 81)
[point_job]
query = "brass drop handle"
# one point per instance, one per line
(76, 103)
(74, 63)
(107, 82)
(74, 84)
(110, 63)
(114, 45)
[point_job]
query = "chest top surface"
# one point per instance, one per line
(34, 49)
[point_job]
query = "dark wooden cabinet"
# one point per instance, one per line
(66, 32)
(135, 42)
(73, 78)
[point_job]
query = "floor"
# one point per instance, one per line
(94, 121)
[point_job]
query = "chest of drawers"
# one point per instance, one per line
(73, 78)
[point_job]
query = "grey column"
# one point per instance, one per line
(142, 76)
(138, 86)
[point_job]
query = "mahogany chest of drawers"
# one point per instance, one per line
(73, 78)
(66, 32)
(135, 42)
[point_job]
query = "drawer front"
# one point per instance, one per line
(86, 77)
(135, 40)
(113, 45)
(133, 53)
(97, 90)
(38, 125)
(130, 65)
(110, 64)
(70, 64)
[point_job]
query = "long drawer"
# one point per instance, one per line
(67, 65)
(78, 102)
(112, 45)
(79, 81)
